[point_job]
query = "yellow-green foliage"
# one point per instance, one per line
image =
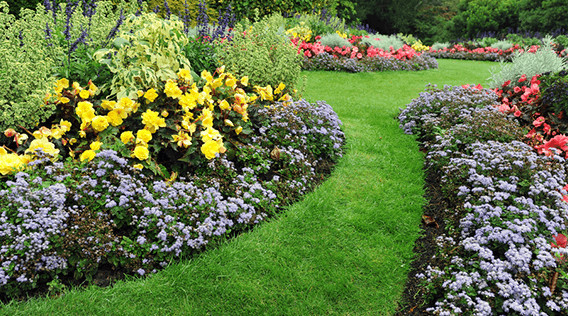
(263, 53)
(177, 7)
(25, 67)
(141, 60)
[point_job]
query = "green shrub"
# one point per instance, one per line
(561, 40)
(318, 24)
(150, 55)
(250, 8)
(17, 5)
(438, 46)
(259, 52)
(334, 40)
(201, 55)
(523, 41)
(177, 7)
(502, 45)
(529, 64)
(25, 68)
(383, 41)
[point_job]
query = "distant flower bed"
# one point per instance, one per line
(503, 246)
(459, 51)
(360, 57)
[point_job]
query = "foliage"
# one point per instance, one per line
(383, 42)
(502, 45)
(529, 64)
(319, 24)
(475, 16)
(178, 8)
(259, 52)
(151, 54)
(17, 5)
(252, 8)
(201, 55)
(334, 40)
(438, 46)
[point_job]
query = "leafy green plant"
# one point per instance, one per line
(502, 45)
(201, 55)
(259, 52)
(438, 46)
(334, 40)
(529, 64)
(151, 54)
(383, 41)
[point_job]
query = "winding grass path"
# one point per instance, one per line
(344, 249)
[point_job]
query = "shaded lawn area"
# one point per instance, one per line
(343, 249)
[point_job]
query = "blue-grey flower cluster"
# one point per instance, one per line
(72, 219)
(506, 204)
(486, 56)
(326, 61)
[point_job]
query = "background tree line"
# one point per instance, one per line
(429, 20)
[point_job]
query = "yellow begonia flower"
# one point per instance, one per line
(238, 130)
(210, 149)
(210, 134)
(281, 87)
(187, 101)
(43, 144)
(84, 94)
(230, 82)
(127, 136)
(114, 117)
(92, 87)
(144, 135)
(182, 139)
(61, 84)
(88, 155)
(207, 76)
(224, 105)
(164, 113)
(172, 90)
(99, 123)
(85, 111)
(184, 74)
(229, 123)
(245, 81)
(82, 134)
(63, 100)
(57, 133)
(65, 125)
(151, 95)
(152, 121)
(95, 145)
(108, 105)
(221, 69)
(72, 141)
(126, 104)
(10, 163)
(140, 152)
(3, 151)
(140, 93)
(138, 166)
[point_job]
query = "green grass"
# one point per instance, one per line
(344, 249)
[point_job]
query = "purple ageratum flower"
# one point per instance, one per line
(47, 6)
(156, 9)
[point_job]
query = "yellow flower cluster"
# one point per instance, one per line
(419, 47)
(342, 34)
(201, 117)
(300, 31)
(11, 162)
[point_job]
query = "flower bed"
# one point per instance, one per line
(360, 57)
(459, 51)
(500, 245)
(124, 206)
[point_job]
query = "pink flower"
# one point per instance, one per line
(523, 78)
(517, 113)
(539, 121)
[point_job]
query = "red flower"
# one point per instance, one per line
(539, 121)
(517, 113)
(561, 241)
(508, 82)
(523, 78)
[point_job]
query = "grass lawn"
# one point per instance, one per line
(344, 249)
